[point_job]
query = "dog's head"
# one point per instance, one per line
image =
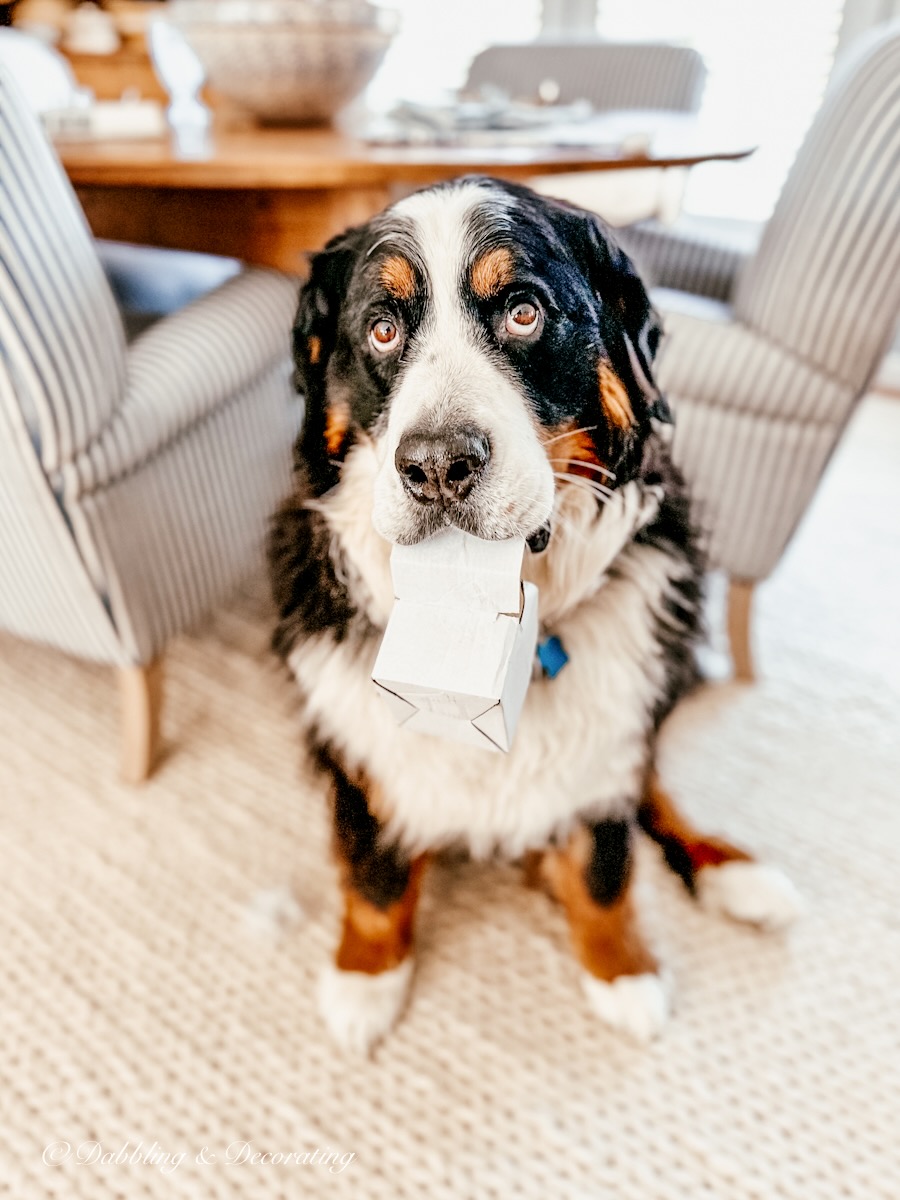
(488, 343)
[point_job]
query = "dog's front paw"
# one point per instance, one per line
(634, 1004)
(751, 892)
(358, 1008)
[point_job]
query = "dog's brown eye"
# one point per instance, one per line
(522, 319)
(384, 335)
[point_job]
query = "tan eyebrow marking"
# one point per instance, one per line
(398, 277)
(614, 397)
(491, 272)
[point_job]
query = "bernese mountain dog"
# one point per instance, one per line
(483, 356)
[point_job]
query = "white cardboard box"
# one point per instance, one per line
(457, 570)
(457, 654)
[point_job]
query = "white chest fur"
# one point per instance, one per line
(582, 739)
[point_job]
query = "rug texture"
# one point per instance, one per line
(161, 945)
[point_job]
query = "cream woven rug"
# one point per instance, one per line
(152, 1016)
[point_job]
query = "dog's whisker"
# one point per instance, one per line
(570, 433)
(585, 485)
(599, 499)
(580, 462)
(568, 477)
(596, 483)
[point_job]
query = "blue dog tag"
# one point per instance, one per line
(552, 656)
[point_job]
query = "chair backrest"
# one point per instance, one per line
(612, 75)
(62, 347)
(825, 282)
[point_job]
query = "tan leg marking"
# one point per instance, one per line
(375, 939)
(606, 938)
(687, 850)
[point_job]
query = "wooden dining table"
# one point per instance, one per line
(269, 195)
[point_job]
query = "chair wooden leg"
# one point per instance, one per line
(740, 609)
(141, 690)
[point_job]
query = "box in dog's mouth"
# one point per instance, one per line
(454, 569)
(456, 657)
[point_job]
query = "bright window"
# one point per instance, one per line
(438, 40)
(768, 63)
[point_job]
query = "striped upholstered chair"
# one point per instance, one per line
(135, 483)
(764, 378)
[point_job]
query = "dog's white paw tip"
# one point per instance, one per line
(359, 1008)
(634, 1004)
(751, 892)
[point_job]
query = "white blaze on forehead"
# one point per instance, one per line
(443, 233)
(452, 379)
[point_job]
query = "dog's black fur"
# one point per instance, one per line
(597, 298)
(629, 591)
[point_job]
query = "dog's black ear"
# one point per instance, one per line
(631, 325)
(315, 326)
(314, 339)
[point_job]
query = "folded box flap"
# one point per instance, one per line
(446, 704)
(401, 709)
(454, 731)
(493, 725)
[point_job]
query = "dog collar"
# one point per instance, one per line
(551, 654)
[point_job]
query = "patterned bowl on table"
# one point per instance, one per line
(287, 61)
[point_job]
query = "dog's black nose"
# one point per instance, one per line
(443, 467)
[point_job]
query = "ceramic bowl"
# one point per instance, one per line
(287, 61)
